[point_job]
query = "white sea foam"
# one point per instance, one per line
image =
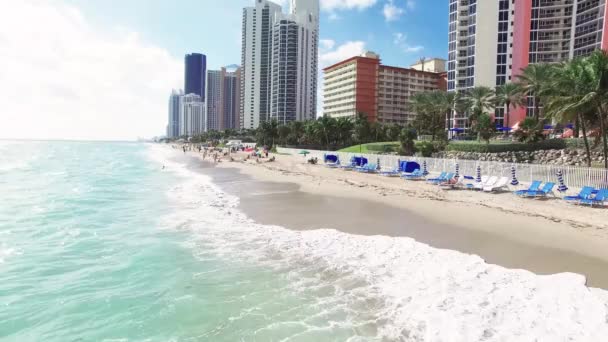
(393, 289)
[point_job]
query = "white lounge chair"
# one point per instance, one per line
(501, 184)
(491, 181)
(471, 186)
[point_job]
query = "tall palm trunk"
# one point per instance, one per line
(603, 133)
(585, 140)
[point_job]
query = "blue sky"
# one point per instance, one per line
(103, 69)
(410, 29)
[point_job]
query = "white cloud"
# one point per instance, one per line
(63, 78)
(347, 50)
(410, 4)
(331, 5)
(400, 40)
(327, 44)
(391, 11)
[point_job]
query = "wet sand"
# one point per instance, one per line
(284, 204)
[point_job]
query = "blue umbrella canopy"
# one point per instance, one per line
(478, 174)
(560, 179)
(514, 180)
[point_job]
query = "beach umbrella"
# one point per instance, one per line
(457, 173)
(560, 178)
(425, 171)
(378, 164)
(304, 152)
(478, 175)
(514, 180)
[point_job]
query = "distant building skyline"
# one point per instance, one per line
(223, 98)
(173, 125)
(195, 74)
(192, 115)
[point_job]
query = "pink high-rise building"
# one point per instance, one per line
(491, 41)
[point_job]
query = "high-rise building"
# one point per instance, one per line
(173, 122)
(231, 98)
(490, 42)
(295, 45)
(255, 61)
(223, 98)
(383, 93)
(479, 47)
(214, 99)
(192, 115)
(195, 74)
(550, 31)
(279, 62)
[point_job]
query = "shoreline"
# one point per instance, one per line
(464, 221)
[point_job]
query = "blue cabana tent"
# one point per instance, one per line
(409, 167)
(331, 158)
(359, 161)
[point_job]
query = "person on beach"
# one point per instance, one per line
(184, 148)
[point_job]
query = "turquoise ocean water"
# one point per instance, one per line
(89, 254)
(98, 243)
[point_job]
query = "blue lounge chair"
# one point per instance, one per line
(417, 174)
(440, 178)
(389, 173)
(546, 190)
(535, 186)
(599, 199)
(585, 193)
(367, 168)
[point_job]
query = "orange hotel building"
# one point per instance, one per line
(383, 93)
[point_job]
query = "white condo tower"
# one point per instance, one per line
(279, 59)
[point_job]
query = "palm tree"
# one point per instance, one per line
(326, 127)
(564, 95)
(344, 130)
(534, 80)
(588, 91)
(509, 95)
(481, 100)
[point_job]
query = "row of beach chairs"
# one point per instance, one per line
(446, 180)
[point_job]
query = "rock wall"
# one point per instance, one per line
(553, 157)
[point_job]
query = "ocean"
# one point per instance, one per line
(125, 242)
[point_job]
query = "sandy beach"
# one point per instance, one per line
(545, 237)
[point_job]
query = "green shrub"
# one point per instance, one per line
(553, 144)
(425, 148)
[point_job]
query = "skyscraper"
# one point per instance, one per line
(192, 116)
(490, 42)
(195, 74)
(295, 42)
(279, 61)
(479, 48)
(173, 122)
(223, 98)
(214, 99)
(231, 98)
(255, 61)
(552, 31)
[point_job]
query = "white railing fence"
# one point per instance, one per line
(574, 177)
